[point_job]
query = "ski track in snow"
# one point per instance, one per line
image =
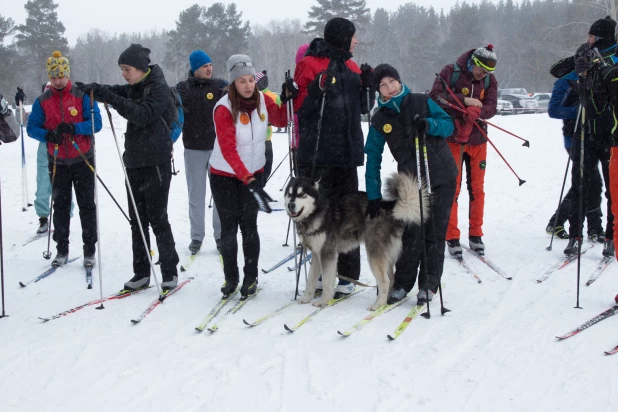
(495, 351)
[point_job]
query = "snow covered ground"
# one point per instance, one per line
(495, 351)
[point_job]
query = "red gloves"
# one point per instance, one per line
(464, 126)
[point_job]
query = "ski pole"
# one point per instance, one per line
(277, 168)
(24, 175)
(286, 182)
(422, 224)
(566, 171)
(582, 99)
(92, 168)
(521, 181)
(130, 190)
(96, 197)
(47, 255)
(439, 265)
(452, 106)
(4, 315)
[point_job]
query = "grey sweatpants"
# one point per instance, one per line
(196, 169)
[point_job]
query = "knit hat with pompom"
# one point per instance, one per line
(58, 66)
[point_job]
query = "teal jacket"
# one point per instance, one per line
(438, 124)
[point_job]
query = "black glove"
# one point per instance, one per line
(85, 88)
(373, 208)
(583, 61)
(366, 76)
(53, 137)
(101, 94)
(321, 83)
(65, 128)
(260, 195)
(289, 90)
(420, 124)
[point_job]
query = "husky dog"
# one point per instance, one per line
(328, 227)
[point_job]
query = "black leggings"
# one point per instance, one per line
(237, 208)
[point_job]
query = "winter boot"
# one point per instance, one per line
(195, 246)
(43, 226)
(397, 295)
(228, 288)
(477, 245)
(454, 248)
(89, 261)
(138, 282)
(249, 287)
(572, 247)
(60, 260)
(558, 231)
(608, 248)
(596, 236)
(169, 283)
(421, 297)
(344, 287)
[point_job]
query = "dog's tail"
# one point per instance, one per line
(402, 188)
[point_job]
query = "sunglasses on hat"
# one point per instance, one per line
(488, 67)
(242, 64)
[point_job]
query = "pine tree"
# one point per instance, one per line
(40, 37)
(226, 34)
(188, 36)
(354, 10)
(8, 56)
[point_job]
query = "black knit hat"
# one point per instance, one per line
(382, 71)
(603, 28)
(338, 32)
(136, 56)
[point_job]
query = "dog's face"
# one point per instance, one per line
(301, 198)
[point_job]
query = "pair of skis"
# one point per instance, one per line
(482, 258)
(602, 316)
(36, 237)
(219, 306)
(51, 271)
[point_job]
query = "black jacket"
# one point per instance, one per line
(199, 97)
(341, 138)
(147, 140)
(439, 157)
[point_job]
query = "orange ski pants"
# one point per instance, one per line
(474, 159)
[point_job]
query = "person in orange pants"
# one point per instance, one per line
(471, 80)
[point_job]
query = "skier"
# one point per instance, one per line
(236, 166)
(261, 82)
(199, 93)
(9, 128)
(402, 116)
(61, 117)
(564, 105)
(599, 123)
(20, 97)
(471, 79)
(146, 103)
(332, 96)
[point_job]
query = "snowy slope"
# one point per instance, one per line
(495, 351)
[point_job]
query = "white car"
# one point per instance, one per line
(518, 90)
(522, 103)
(504, 107)
(543, 99)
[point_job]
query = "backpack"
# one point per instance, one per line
(179, 115)
(457, 73)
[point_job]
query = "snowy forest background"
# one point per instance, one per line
(527, 36)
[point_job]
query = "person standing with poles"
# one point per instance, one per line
(332, 93)
(148, 105)
(61, 117)
(473, 83)
(400, 117)
(200, 93)
(9, 131)
(236, 166)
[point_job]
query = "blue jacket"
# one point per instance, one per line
(438, 124)
(561, 105)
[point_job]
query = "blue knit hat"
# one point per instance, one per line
(197, 59)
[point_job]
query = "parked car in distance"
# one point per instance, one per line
(543, 99)
(521, 103)
(519, 90)
(504, 107)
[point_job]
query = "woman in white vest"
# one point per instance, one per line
(236, 166)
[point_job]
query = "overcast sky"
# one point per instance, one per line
(118, 16)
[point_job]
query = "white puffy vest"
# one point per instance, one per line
(250, 139)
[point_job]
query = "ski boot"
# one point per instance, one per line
(477, 245)
(344, 287)
(43, 226)
(421, 297)
(89, 261)
(195, 246)
(454, 248)
(558, 231)
(228, 288)
(596, 236)
(572, 247)
(137, 282)
(169, 283)
(608, 248)
(249, 287)
(60, 259)
(397, 295)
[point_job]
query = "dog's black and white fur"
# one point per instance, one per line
(328, 227)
